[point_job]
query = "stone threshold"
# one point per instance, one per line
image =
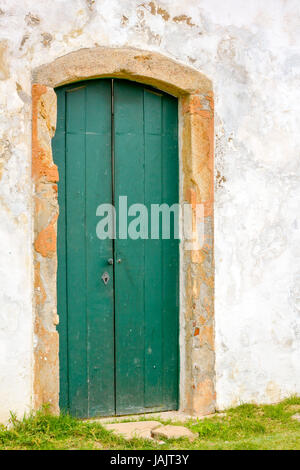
(173, 416)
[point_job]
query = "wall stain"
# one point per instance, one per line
(184, 19)
(21, 93)
(46, 239)
(4, 66)
(220, 179)
(23, 41)
(32, 20)
(124, 20)
(47, 39)
(42, 163)
(90, 4)
(5, 154)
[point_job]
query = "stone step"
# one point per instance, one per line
(149, 430)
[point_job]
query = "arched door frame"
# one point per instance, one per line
(196, 139)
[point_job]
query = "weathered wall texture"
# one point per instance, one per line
(250, 50)
(45, 207)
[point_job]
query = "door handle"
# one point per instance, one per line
(110, 261)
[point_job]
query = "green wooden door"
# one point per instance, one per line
(118, 340)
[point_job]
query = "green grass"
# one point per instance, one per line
(245, 427)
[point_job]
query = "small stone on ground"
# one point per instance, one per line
(140, 429)
(296, 417)
(150, 430)
(173, 432)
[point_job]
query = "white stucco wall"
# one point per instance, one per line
(250, 50)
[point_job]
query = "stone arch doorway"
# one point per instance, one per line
(194, 93)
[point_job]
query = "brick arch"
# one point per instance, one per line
(196, 137)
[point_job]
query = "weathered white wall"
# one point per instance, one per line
(250, 50)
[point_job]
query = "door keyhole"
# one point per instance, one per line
(105, 277)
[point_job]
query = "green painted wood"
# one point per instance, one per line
(100, 309)
(153, 253)
(147, 286)
(85, 304)
(170, 256)
(118, 343)
(129, 274)
(76, 251)
(58, 147)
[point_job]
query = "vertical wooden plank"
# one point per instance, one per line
(129, 274)
(87, 347)
(100, 309)
(153, 253)
(170, 257)
(76, 250)
(58, 147)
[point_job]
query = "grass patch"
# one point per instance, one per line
(248, 427)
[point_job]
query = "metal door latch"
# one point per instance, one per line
(105, 277)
